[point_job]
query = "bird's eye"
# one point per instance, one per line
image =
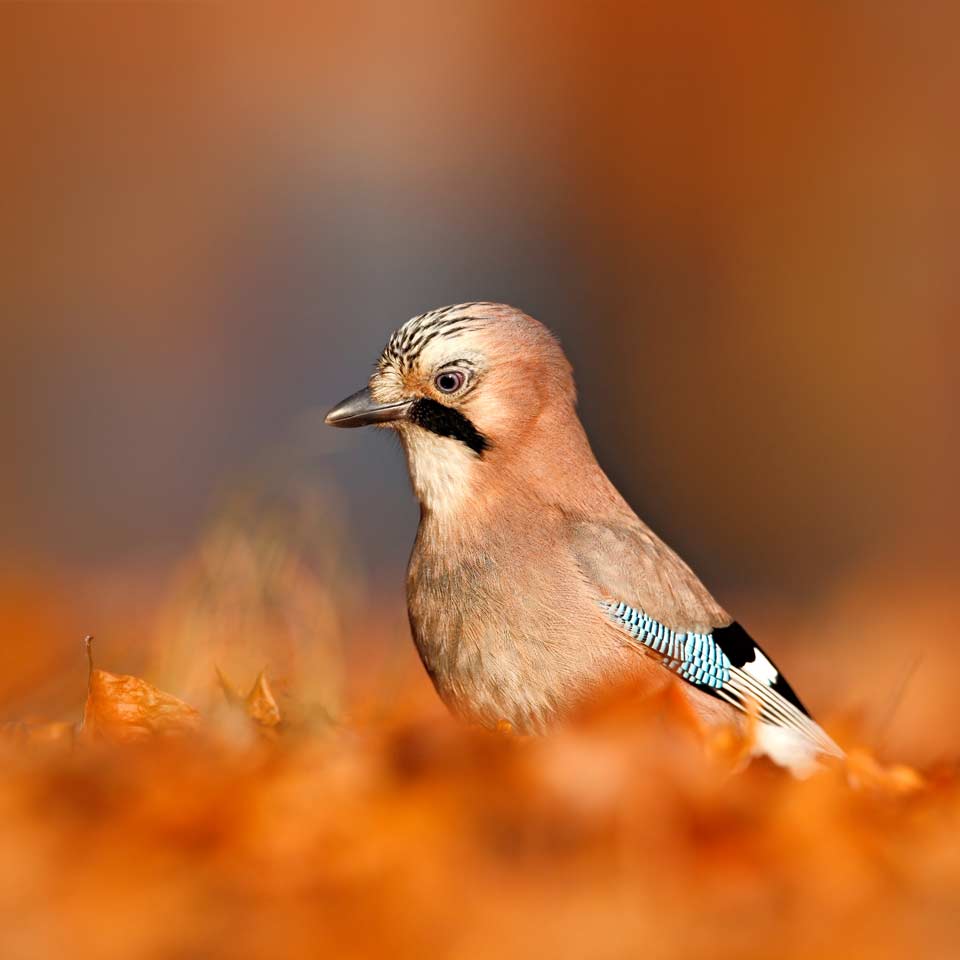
(450, 381)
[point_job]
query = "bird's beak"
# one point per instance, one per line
(361, 410)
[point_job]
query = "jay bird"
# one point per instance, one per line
(532, 582)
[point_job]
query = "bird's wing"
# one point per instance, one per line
(653, 596)
(628, 561)
(727, 664)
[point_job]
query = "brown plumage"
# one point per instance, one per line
(522, 536)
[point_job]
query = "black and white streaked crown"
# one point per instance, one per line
(407, 342)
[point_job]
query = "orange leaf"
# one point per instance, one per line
(863, 770)
(46, 736)
(259, 704)
(123, 709)
(231, 694)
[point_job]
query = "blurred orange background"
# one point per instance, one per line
(741, 220)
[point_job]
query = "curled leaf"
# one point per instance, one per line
(44, 736)
(259, 704)
(124, 709)
(230, 693)
(864, 771)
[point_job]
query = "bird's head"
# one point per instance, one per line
(465, 387)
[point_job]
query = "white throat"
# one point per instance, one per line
(441, 469)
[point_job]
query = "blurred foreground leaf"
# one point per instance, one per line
(864, 771)
(47, 736)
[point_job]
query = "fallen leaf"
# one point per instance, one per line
(864, 771)
(46, 736)
(124, 709)
(259, 704)
(230, 693)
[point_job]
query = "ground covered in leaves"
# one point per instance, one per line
(154, 830)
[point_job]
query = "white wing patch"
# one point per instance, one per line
(760, 668)
(787, 748)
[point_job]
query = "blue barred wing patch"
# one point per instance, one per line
(694, 656)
